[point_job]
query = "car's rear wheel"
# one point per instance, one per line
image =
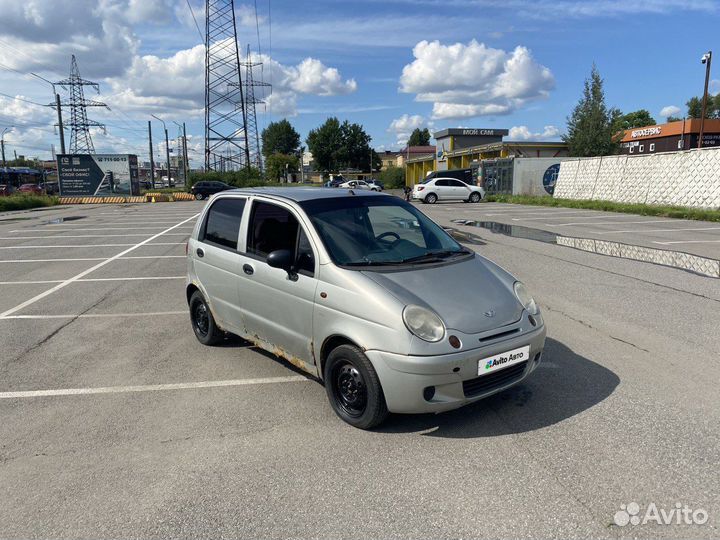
(199, 196)
(353, 388)
(475, 197)
(203, 323)
(431, 198)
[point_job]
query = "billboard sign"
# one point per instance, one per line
(98, 175)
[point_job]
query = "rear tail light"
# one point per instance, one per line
(187, 244)
(420, 188)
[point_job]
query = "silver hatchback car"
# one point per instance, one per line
(364, 292)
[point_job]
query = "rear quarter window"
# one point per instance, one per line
(222, 223)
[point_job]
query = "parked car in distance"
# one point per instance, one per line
(432, 190)
(377, 185)
(51, 188)
(359, 184)
(202, 190)
(33, 189)
(334, 182)
(364, 292)
(6, 190)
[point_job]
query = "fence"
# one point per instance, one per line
(687, 178)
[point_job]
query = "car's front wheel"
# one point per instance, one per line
(203, 323)
(431, 198)
(353, 388)
(199, 196)
(475, 197)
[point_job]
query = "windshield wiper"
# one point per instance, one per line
(373, 263)
(435, 256)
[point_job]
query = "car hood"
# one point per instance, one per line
(461, 293)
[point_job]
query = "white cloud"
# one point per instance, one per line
(402, 127)
(144, 86)
(523, 133)
(670, 110)
(246, 15)
(464, 81)
(714, 87)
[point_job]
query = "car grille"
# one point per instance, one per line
(486, 383)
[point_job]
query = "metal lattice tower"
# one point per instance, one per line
(226, 138)
(251, 101)
(80, 140)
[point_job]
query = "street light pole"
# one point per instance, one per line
(2, 144)
(167, 147)
(706, 59)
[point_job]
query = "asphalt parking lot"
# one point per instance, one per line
(116, 422)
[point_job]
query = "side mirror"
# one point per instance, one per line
(282, 258)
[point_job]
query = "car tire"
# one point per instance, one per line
(475, 197)
(431, 198)
(353, 388)
(199, 196)
(203, 323)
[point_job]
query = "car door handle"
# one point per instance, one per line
(249, 270)
(200, 252)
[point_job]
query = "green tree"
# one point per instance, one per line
(278, 164)
(712, 110)
(590, 126)
(635, 119)
(419, 137)
(280, 138)
(673, 118)
(393, 177)
(335, 146)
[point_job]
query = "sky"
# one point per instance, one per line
(390, 65)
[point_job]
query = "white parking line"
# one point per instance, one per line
(72, 229)
(543, 212)
(91, 280)
(94, 315)
(82, 236)
(549, 216)
(657, 230)
(94, 258)
(92, 245)
(89, 270)
(613, 222)
(149, 387)
(688, 242)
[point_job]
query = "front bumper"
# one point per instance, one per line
(405, 378)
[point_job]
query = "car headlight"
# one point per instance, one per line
(525, 298)
(423, 323)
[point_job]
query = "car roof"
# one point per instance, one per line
(299, 194)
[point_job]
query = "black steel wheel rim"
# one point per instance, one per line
(349, 389)
(201, 318)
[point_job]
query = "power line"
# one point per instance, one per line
(43, 105)
(202, 38)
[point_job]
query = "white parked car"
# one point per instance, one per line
(359, 184)
(447, 189)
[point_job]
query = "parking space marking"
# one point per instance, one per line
(688, 242)
(73, 229)
(83, 236)
(658, 230)
(549, 216)
(612, 222)
(91, 269)
(150, 387)
(93, 315)
(84, 280)
(91, 245)
(96, 258)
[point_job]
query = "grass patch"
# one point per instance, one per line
(25, 202)
(678, 212)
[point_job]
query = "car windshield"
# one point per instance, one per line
(379, 231)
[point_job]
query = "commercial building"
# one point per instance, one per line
(460, 148)
(680, 135)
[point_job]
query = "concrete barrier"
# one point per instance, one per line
(687, 178)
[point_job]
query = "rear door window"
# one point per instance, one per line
(222, 223)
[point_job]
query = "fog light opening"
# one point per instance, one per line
(532, 320)
(455, 342)
(537, 358)
(429, 393)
